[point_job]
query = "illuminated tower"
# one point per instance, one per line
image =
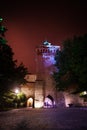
(45, 61)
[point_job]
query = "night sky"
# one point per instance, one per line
(31, 23)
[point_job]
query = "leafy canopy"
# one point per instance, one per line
(71, 62)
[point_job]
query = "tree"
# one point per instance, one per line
(10, 72)
(72, 64)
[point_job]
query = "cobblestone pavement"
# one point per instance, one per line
(44, 119)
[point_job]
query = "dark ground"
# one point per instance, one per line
(44, 119)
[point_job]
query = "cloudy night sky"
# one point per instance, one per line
(30, 23)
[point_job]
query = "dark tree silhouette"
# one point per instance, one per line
(72, 64)
(10, 72)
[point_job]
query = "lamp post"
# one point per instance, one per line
(16, 92)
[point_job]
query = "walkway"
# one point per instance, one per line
(44, 119)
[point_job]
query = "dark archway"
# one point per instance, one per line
(50, 97)
(49, 102)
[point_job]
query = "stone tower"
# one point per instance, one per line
(45, 61)
(40, 89)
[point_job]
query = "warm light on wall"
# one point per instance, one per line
(67, 101)
(38, 104)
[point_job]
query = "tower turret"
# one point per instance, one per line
(45, 61)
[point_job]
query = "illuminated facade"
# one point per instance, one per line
(41, 86)
(40, 89)
(45, 67)
(45, 59)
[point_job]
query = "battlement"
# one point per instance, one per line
(47, 48)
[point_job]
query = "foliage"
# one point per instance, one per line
(8, 99)
(11, 100)
(83, 94)
(71, 62)
(20, 99)
(10, 72)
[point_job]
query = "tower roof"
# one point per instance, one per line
(46, 43)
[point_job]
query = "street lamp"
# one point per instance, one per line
(85, 93)
(16, 92)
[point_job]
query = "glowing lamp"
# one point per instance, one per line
(84, 93)
(16, 91)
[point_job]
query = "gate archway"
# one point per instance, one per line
(49, 102)
(30, 102)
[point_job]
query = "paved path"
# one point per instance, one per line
(44, 119)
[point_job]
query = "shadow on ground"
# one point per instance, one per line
(22, 126)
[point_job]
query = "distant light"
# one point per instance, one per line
(84, 93)
(16, 91)
(1, 19)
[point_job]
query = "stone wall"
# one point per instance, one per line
(28, 89)
(39, 94)
(73, 99)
